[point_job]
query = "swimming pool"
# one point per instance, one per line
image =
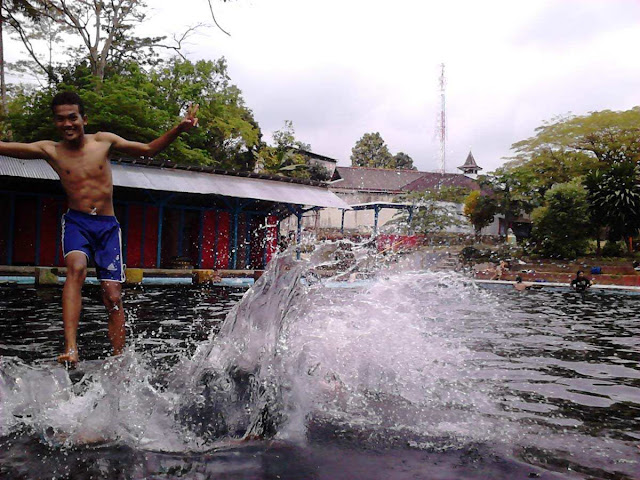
(409, 375)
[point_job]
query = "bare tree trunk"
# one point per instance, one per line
(3, 85)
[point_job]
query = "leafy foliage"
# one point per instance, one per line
(608, 136)
(570, 147)
(432, 212)
(371, 151)
(286, 157)
(614, 198)
(103, 32)
(561, 227)
(511, 200)
(285, 138)
(403, 161)
(480, 210)
(141, 106)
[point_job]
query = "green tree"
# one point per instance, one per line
(371, 151)
(480, 210)
(530, 180)
(105, 31)
(431, 212)
(511, 200)
(569, 147)
(562, 226)
(228, 132)
(614, 199)
(140, 106)
(404, 161)
(608, 136)
(286, 157)
(285, 138)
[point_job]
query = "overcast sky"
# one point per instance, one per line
(341, 68)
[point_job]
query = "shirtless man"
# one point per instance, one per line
(89, 228)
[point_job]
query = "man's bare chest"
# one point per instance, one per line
(79, 166)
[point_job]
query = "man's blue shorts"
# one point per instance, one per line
(98, 237)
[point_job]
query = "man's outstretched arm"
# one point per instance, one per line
(26, 151)
(156, 146)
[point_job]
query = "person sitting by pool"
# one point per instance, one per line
(580, 283)
(499, 271)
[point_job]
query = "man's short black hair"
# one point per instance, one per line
(67, 98)
(579, 272)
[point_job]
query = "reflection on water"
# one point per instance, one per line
(409, 375)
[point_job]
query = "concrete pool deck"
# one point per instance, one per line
(544, 284)
(53, 276)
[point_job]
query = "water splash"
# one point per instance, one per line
(337, 343)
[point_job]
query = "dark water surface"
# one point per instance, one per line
(437, 380)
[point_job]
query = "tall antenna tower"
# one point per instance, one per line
(442, 123)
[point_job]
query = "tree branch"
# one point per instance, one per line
(215, 21)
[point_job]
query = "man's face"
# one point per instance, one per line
(580, 275)
(69, 122)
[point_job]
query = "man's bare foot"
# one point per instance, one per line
(69, 358)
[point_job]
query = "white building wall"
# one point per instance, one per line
(362, 221)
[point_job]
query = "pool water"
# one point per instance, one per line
(404, 375)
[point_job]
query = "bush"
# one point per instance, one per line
(561, 227)
(612, 249)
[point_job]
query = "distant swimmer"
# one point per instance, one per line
(520, 285)
(89, 227)
(580, 283)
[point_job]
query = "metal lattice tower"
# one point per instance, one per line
(442, 122)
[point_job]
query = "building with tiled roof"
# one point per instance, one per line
(470, 167)
(375, 194)
(373, 180)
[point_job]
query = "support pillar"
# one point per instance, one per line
(410, 219)
(375, 220)
(298, 232)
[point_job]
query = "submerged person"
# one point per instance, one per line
(520, 285)
(89, 227)
(580, 283)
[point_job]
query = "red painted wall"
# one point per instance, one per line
(150, 238)
(216, 234)
(222, 242)
(134, 236)
(209, 239)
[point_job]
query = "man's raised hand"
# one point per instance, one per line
(190, 120)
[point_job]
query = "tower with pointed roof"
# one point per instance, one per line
(470, 166)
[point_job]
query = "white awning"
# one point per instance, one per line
(188, 181)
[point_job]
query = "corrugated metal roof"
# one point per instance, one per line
(175, 180)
